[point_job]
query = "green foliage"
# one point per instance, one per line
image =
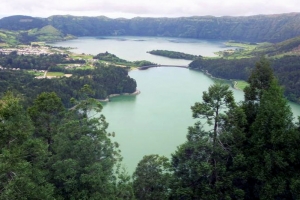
(46, 114)
(250, 154)
(124, 187)
(84, 159)
(116, 60)
(272, 147)
(84, 156)
(38, 62)
(217, 98)
(103, 80)
(109, 57)
(200, 164)
(151, 178)
(21, 156)
(9, 37)
(173, 54)
(241, 85)
(285, 68)
(259, 81)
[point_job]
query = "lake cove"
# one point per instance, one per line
(156, 120)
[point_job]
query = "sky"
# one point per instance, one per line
(146, 8)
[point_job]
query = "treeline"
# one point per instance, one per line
(286, 69)
(103, 80)
(173, 54)
(48, 62)
(39, 62)
(235, 151)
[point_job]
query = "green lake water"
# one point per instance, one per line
(156, 120)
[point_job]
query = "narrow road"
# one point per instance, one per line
(45, 73)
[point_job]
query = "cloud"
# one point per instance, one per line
(153, 8)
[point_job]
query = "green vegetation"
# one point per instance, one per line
(240, 84)
(267, 28)
(9, 37)
(46, 33)
(246, 151)
(253, 28)
(55, 74)
(113, 59)
(35, 73)
(248, 50)
(173, 54)
(284, 59)
(37, 162)
(38, 62)
(104, 81)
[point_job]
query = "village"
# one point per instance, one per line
(39, 48)
(28, 50)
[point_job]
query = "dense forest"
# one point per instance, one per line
(38, 62)
(286, 69)
(259, 28)
(103, 80)
(250, 150)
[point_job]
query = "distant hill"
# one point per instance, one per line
(258, 28)
(271, 28)
(48, 33)
(21, 22)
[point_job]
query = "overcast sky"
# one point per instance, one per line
(146, 8)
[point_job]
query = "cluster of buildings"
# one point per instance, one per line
(73, 66)
(4, 68)
(27, 51)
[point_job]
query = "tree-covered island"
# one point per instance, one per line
(109, 57)
(173, 54)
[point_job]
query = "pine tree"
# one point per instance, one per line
(151, 178)
(22, 157)
(46, 114)
(200, 165)
(84, 157)
(259, 81)
(271, 159)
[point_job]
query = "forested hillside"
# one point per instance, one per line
(103, 80)
(272, 28)
(286, 69)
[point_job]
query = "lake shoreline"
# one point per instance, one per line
(121, 94)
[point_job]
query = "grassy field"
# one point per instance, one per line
(35, 73)
(55, 74)
(3, 45)
(81, 56)
(239, 84)
(242, 50)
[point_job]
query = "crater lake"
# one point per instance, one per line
(156, 120)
